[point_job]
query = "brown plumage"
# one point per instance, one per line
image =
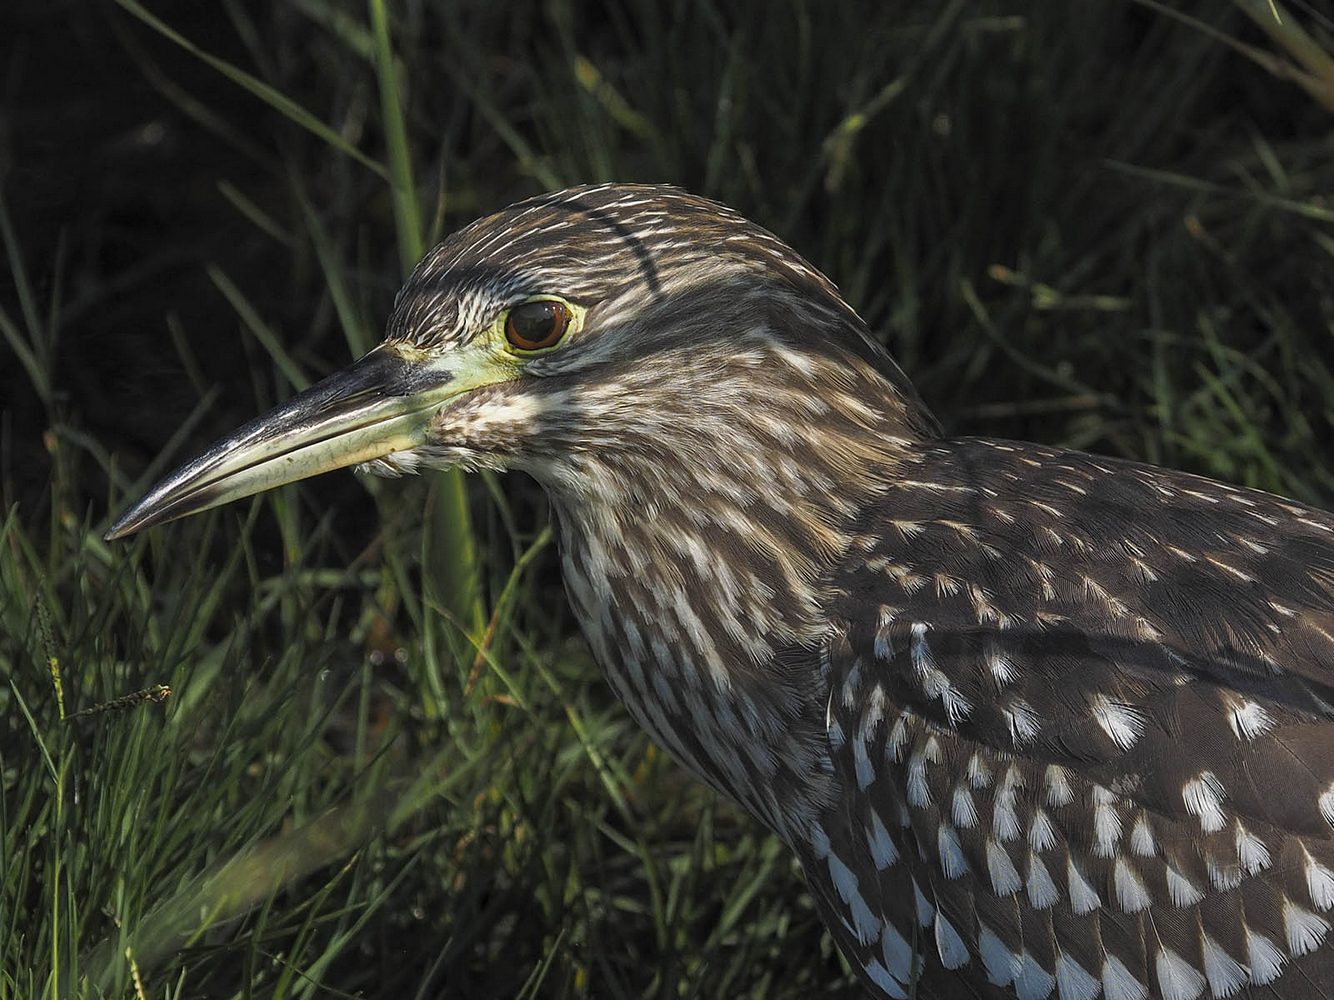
(1037, 723)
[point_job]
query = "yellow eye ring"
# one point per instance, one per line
(537, 325)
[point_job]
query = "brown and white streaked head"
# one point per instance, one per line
(575, 329)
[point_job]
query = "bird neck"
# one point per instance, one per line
(695, 545)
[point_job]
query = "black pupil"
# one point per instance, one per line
(536, 322)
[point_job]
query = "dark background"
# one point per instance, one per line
(1089, 223)
(116, 142)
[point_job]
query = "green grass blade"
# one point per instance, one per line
(451, 570)
(280, 102)
(407, 216)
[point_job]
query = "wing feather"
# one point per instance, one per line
(1104, 709)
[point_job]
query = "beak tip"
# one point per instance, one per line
(118, 530)
(132, 521)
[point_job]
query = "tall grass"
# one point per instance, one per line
(343, 739)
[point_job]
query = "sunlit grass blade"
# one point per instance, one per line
(451, 568)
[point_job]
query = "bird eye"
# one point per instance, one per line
(534, 326)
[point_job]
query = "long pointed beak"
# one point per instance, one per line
(373, 408)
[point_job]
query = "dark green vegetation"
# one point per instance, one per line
(1086, 223)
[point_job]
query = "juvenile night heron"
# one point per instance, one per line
(1036, 723)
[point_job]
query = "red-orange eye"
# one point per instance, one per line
(533, 326)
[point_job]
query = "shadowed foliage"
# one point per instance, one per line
(1091, 225)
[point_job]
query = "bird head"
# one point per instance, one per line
(615, 320)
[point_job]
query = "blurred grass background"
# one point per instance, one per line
(329, 742)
